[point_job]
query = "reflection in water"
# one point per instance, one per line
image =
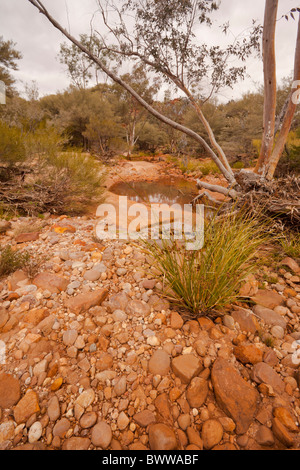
(164, 191)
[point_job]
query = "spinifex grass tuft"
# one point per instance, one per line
(291, 245)
(208, 279)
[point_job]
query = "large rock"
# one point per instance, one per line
(137, 308)
(76, 443)
(248, 354)
(235, 397)
(269, 316)
(197, 392)
(144, 418)
(268, 298)
(246, 320)
(26, 407)
(10, 391)
(161, 437)
(27, 237)
(211, 433)
(101, 435)
(83, 302)
(17, 279)
(159, 363)
(186, 367)
(51, 282)
(292, 264)
(263, 373)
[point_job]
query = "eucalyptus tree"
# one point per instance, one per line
(165, 36)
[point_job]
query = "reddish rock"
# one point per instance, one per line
(159, 363)
(163, 408)
(263, 373)
(211, 433)
(61, 427)
(26, 407)
(15, 279)
(285, 417)
(27, 237)
(161, 437)
(197, 392)
(236, 398)
(76, 443)
(282, 434)
(144, 418)
(292, 264)
(51, 282)
(269, 316)
(10, 392)
(83, 302)
(246, 320)
(248, 354)
(176, 321)
(101, 435)
(186, 367)
(4, 317)
(268, 298)
(264, 437)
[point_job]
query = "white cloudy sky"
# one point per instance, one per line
(39, 41)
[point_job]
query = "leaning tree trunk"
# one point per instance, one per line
(288, 116)
(269, 61)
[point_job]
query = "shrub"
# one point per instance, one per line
(12, 149)
(206, 280)
(11, 260)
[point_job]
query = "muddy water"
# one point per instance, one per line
(163, 191)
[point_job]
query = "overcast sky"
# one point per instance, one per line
(40, 42)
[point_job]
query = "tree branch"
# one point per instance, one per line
(189, 132)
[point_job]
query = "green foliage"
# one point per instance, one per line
(12, 149)
(11, 261)
(8, 57)
(208, 279)
(238, 165)
(290, 244)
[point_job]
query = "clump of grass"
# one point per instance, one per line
(29, 227)
(206, 280)
(11, 260)
(290, 244)
(34, 264)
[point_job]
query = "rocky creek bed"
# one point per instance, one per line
(93, 357)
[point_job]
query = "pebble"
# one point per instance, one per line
(109, 364)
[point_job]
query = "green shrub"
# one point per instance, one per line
(12, 149)
(208, 279)
(11, 261)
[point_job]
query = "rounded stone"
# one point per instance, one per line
(53, 409)
(161, 437)
(61, 427)
(88, 420)
(101, 435)
(35, 432)
(211, 434)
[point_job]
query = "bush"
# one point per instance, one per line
(78, 178)
(11, 261)
(206, 280)
(12, 149)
